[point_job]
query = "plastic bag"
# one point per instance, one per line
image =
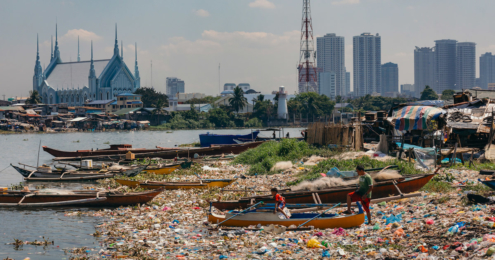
(313, 243)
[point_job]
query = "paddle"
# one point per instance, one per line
(318, 215)
(242, 212)
(200, 179)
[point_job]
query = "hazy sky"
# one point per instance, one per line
(256, 41)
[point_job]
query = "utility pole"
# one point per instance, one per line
(219, 87)
(151, 73)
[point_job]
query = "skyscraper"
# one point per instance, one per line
(466, 65)
(330, 57)
(390, 79)
(174, 86)
(327, 83)
(348, 82)
(424, 69)
(487, 70)
(445, 52)
(367, 64)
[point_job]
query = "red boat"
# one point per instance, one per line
(382, 189)
(113, 150)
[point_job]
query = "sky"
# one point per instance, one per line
(254, 41)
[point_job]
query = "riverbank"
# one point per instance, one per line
(174, 224)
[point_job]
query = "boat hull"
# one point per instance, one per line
(272, 219)
(176, 185)
(112, 200)
(334, 195)
(490, 184)
(59, 153)
(207, 140)
(164, 170)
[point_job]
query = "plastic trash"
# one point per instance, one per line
(430, 221)
(313, 243)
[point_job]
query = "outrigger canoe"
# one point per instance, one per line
(204, 184)
(381, 189)
(266, 217)
(86, 198)
(489, 182)
(167, 169)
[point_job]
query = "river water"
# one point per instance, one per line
(69, 232)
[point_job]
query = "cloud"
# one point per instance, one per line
(84, 35)
(201, 13)
(263, 4)
(269, 58)
(346, 2)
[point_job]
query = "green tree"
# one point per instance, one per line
(220, 117)
(150, 97)
(205, 100)
(158, 109)
(238, 101)
(339, 99)
(428, 94)
(192, 114)
(34, 97)
(311, 103)
(448, 94)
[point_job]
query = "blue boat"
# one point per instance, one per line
(208, 139)
(489, 183)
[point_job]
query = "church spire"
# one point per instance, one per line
(56, 52)
(122, 49)
(37, 48)
(116, 47)
(137, 82)
(38, 72)
(78, 54)
(92, 73)
(51, 49)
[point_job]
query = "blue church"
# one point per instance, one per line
(77, 82)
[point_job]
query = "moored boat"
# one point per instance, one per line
(113, 150)
(381, 189)
(161, 170)
(204, 184)
(86, 198)
(265, 217)
(208, 139)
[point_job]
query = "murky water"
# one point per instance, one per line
(68, 232)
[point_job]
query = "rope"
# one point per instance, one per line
(5, 168)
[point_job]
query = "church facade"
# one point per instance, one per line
(76, 83)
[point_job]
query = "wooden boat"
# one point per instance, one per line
(204, 184)
(113, 150)
(207, 140)
(85, 198)
(407, 184)
(266, 217)
(166, 169)
(171, 154)
(489, 182)
(34, 175)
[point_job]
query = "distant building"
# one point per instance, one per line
(367, 64)
(327, 84)
(229, 86)
(445, 53)
(174, 86)
(330, 54)
(466, 65)
(77, 82)
(108, 106)
(128, 100)
(487, 70)
(244, 86)
(424, 69)
(390, 78)
(491, 86)
(407, 90)
(348, 83)
(183, 97)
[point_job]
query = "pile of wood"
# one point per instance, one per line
(350, 136)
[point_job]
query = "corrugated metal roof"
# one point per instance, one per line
(126, 110)
(74, 74)
(100, 102)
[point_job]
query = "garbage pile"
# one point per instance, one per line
(174, 225)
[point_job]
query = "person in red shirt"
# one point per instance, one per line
(279, 202)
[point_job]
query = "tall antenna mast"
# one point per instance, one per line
(307, 71)
(151, 73)
(219, 87)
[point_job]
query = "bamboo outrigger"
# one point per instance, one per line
(203, 184)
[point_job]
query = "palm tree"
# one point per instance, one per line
(34, 97)
(159, 105)
(238, 101)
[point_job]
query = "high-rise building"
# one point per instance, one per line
(348, 83)
(466, 65)
(390, 78)
(424, 69)
(407, 90)
(174, 86)
(330, 57)
(487, 70)
(445, 52)
(327, 84)
(367, 64)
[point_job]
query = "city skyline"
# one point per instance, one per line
(262, 51)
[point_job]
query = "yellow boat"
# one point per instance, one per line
(162, 170)
(151, 185)
(266, 217)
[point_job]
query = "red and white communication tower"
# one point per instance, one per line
(307, 71)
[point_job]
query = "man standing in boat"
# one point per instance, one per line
(362, 194)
